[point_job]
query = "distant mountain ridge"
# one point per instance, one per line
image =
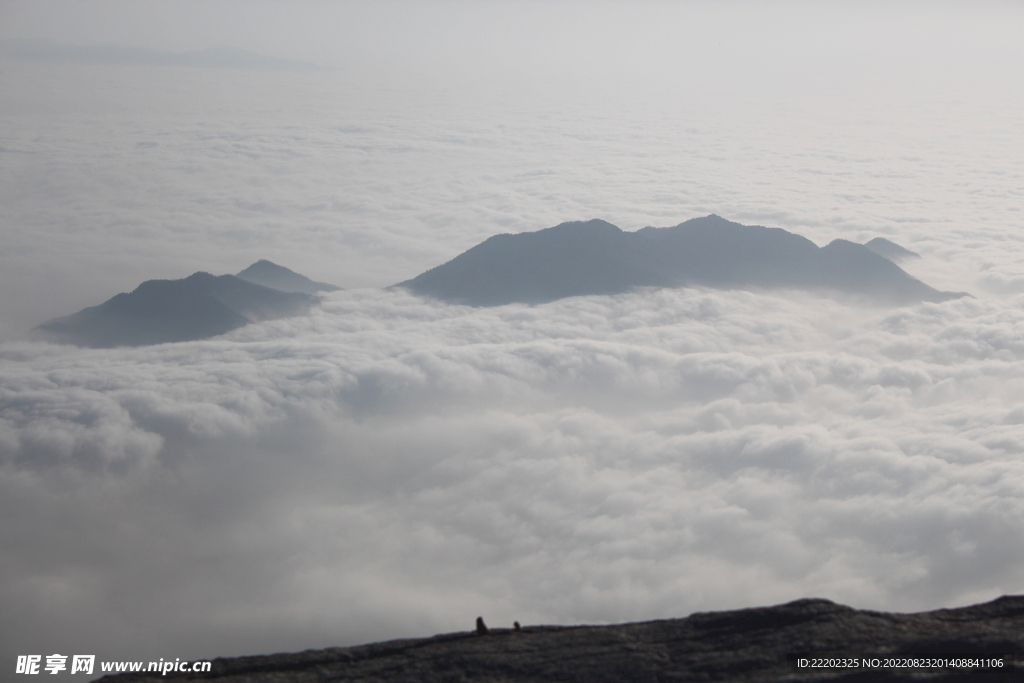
(596, 257)
(271, 275)
(197, 307)
(42, 49)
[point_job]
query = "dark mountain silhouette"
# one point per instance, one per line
(596, 257)
(890, 250)
(271, 275)
(159, 311)
(758, 645)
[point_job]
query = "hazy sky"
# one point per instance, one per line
(391, 466)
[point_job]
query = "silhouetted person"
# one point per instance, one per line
(516, 626)
(481, 627)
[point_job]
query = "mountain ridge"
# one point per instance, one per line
(269, 274)
(199, 306)
(43, 49)
(755, 645)
(595, 257)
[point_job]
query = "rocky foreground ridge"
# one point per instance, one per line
(752, 645)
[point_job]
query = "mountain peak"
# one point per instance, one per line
(269, 274)
(890, 250)
(199, 306)
(595, 257)
(592, 224)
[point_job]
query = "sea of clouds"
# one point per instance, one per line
(392, 466)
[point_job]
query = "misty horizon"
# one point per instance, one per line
(212, 57)
(578, 258)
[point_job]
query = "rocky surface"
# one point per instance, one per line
(596, 257)
(752, 645)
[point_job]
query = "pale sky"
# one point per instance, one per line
(576, 39)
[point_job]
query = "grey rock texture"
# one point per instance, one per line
(750, 645)
(596, 257)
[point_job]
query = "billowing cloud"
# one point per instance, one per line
(394, 466)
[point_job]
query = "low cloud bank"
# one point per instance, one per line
(392, 466)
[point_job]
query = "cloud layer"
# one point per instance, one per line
(393, 466)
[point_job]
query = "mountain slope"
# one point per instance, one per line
(571, 259)
(752, 645)
(271, 275)
(159, 311)
(595, 257)
(890, 250)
